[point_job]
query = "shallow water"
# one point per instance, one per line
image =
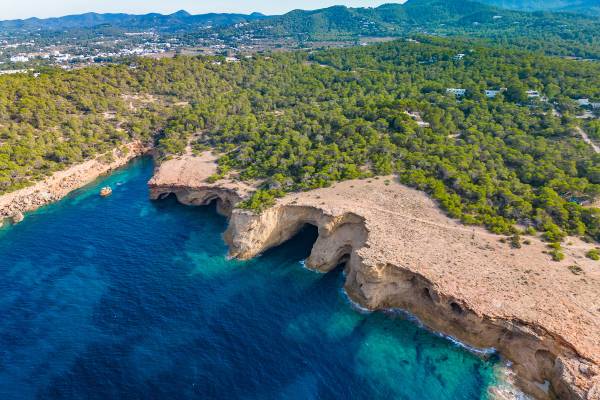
(126, 298)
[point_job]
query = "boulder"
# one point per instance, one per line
(17, 217)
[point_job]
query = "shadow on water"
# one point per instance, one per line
(296, 248)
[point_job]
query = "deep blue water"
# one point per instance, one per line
(127, 298)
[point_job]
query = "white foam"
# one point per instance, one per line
(505, 388)
(411, 317)
(303, 265)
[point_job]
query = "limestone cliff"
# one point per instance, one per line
(400, 251)
(187, 177)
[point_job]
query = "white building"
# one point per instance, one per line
(533, 94)
(13, 71)
(457, 91)
(19, 59)
(492, 93)
(583, 102)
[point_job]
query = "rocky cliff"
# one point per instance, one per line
(187, 177)
(400, 251)
(13, 205)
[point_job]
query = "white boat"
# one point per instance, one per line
(106, 191)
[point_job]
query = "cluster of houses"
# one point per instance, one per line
(588, 103)
(19, 58)
(491, 93)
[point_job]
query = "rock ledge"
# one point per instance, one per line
(401, 251)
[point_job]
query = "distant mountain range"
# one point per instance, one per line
(173, 21)
(548, 5)
(336, 20)
(558, 33)
(388, 19)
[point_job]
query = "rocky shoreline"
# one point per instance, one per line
(14, 205)
(401, 252)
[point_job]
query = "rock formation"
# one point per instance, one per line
(17, 217)
(187, 177)
(400, 251)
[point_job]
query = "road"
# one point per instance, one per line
(587, 139)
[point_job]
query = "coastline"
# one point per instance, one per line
(15, 204)
(402, 252)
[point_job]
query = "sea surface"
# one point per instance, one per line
(124, 298)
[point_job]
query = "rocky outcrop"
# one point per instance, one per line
(17, 217)
(188, 178)
(401, 252)
(13, 205)
(199, 196)
(249, 234)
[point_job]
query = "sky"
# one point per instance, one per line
(14, 9)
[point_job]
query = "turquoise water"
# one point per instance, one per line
(127, 298)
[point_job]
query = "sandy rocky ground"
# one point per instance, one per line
(403, 252)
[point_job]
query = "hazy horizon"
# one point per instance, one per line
(22, 9)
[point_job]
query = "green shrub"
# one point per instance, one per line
(261, 200)
(593, 254)
(557, 255)
(515, 241)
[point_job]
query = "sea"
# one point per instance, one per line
(127, 298)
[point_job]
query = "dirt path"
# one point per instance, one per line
(587, 139)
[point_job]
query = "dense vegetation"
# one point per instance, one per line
(59, 118)
(562, 34)
(301, 122)
(547, 5)
(551, 33)
(298, 121)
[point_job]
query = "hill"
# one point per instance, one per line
(175, 21)
(340, 22)
(553, 33)
(591, 7)
(548, 5)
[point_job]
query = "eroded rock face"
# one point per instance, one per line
(249, 234)
(17, 217)
(402, 252)
(187, 177)
(546, 365)
(199, 196)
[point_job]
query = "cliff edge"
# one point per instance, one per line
(401, 251)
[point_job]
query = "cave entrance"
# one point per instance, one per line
(299, 246)
(164, 196)
(170, 198)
